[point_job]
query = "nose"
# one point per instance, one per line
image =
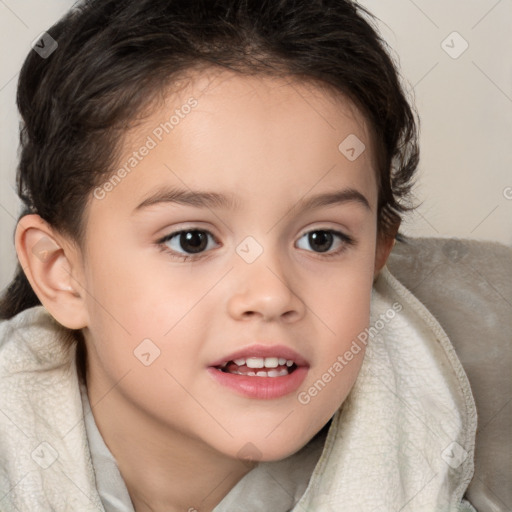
(263, 290)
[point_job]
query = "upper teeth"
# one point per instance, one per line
(263, 362)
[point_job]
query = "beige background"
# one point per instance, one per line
(464, 99)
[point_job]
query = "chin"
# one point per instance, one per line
(260, 449)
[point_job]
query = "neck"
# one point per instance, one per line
(163, 470)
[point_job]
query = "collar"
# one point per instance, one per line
(276, 485)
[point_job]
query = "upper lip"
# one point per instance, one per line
(264, 351)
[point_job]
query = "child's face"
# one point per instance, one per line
(256, 281)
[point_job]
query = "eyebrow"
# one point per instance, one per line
(212, 200)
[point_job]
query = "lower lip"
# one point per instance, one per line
(265, 388)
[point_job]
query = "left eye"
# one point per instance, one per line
(323, 240)
(190, 241)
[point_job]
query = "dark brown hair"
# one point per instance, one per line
(115, 56)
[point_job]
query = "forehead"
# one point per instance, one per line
(272, 112)
(258, 136)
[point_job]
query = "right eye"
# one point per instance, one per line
(186, 243)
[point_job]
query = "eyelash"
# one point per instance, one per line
(346, 240)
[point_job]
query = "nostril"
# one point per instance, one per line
(290, 316)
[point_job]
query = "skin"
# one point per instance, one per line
(174, 431)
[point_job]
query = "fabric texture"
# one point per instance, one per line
(403, 439)
(467, 286)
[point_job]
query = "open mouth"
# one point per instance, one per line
(259, 367)
(261, 372)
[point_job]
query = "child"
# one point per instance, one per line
(174, 339)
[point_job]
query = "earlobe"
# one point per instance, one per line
(49, 263)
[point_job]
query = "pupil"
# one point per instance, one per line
(322, 239)
(193, 241)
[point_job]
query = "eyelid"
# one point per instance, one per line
(338, 231)
(346, 242)
(172, 234)
(343, 232)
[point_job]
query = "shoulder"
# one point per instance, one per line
(33, 341)
(42, 435)
(467, 286)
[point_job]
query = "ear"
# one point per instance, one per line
(383, 249)
(52, 266)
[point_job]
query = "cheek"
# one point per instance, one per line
(126, 293)
(342, 307)
(346, 310)
(137, 309)
(341, 298)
